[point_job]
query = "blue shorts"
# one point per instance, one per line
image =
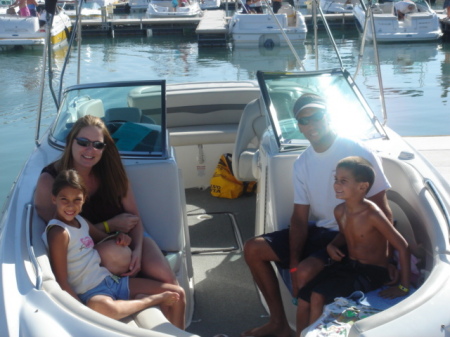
(446, 4)
(114, 287)
(315, 245)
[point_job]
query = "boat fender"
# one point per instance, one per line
(269, 44)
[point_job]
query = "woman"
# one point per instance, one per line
(111, 206)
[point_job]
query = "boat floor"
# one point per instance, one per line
(226, 299)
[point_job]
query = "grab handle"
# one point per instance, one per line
(30, 247)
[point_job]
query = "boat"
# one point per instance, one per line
(138, 6)
(165, 9)
(210, 4)
(248, 30)
(89, 10)
(29, 32)
(4, 5)
(421, 24)
(337, 6)
(170, 137)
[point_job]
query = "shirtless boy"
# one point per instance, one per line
(366, 232)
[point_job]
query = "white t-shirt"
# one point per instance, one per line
(83, 261)
(405, 6)
(314, 178)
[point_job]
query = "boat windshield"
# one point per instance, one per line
(134, 112)
(348, 112)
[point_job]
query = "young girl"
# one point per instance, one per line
(76, 264)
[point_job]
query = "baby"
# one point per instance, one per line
(114, 256)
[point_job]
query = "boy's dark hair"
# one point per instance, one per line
(68, 178)
(361, 169)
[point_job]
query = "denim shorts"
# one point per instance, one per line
(112, 286)
(315, 245)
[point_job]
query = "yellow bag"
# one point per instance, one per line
(224, 184)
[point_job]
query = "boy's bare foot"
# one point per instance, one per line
(166, 298)
(269, 329)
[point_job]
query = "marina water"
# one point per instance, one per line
(416, 79)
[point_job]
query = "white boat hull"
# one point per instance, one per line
(262, 30)
(420, 26)
(26, 32)
(164, 9)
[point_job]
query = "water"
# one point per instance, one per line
(416, 79)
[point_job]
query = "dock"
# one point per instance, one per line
(211, 29)
(139, 26)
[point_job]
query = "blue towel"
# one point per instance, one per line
(372, 299)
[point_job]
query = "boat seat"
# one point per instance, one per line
(251, 128)
(126, 114)
(387, 8)
(92, 107)
(203, 134)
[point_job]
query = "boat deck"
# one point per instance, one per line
(436, 150)
(226, 299)
(218, 260)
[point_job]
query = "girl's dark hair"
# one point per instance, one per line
(68, 178)
(361, 169)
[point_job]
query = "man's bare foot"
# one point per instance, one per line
(269, 329)
(166, 298)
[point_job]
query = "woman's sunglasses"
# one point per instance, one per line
(318, 116)
(86, 142)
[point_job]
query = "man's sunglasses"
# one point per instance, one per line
(86, 142)
(318, 116)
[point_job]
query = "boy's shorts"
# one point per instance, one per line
(341, 279)
(315, 244)
(112, 286)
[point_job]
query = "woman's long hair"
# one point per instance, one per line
(109, 170)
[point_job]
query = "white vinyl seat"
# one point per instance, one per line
(92, 107)
(251, 128)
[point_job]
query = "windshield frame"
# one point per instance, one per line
(61, 126)
(284, 125)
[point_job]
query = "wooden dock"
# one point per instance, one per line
(139, 26)
(211, 28)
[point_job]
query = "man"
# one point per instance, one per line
(302, 247)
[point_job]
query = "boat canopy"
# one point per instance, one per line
(349, 113)
(134, 112)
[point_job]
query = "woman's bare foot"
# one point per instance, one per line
(272, 329)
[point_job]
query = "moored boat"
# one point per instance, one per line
(337, 6)
(420, 23)
(210, 4)
(89, 10)
(29, 32)
(174, 8)
(266, 29)
(138, 6)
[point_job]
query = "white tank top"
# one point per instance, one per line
(83, 261)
